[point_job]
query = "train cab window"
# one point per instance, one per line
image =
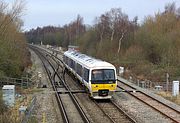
(103, 75)
(97, 75)
(109, 75)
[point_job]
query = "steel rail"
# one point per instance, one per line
(110, 118)
(127, 116)
(66, 86)
(82, 113)
(60, 103)
(149, 96)
(124, 112)
(85, 118)
(155, 108)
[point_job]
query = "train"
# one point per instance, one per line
(98, 77)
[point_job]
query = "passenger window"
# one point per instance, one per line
(73, 65)
(79, 70)
(86, 75)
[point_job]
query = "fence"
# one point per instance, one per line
(23, 82)
(29, 110)
(152, 85)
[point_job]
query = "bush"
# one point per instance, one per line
(3, 107)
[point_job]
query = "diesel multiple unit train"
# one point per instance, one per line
(98, 77)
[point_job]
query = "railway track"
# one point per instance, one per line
(108, 107)
(167, 111)
(114, 112)
(70, 108)
(111, 110)
(117, 115)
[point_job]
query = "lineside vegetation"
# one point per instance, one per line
(14, 55)
(148, 50)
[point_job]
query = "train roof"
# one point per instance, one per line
(87, 60)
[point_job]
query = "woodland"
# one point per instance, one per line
(147, 49)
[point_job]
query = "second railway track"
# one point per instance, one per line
(70, 109)
(162, 108)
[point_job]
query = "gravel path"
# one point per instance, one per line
(45, 107)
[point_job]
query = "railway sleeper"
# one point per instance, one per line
(134, 91)
(75, 91)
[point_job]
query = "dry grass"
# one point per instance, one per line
(11, 115)
(168, 96)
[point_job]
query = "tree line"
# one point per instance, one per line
(60, 36)
(149, 49)
(14, 55)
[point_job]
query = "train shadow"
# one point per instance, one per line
(103, 100)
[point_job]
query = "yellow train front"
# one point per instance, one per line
(98, 77)
(103, 83)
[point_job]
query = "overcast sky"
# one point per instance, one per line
(60, 12)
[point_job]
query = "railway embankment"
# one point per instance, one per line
(45, 107)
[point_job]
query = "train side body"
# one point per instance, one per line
(99, 77)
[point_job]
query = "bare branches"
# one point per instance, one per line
(11, 16)
(74, 30)
(113, 25)
(120, 42)
(13, 45)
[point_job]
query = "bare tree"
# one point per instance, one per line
(114, 16)
(12, 15)
(102, 26)
(171, 7)
(13, 46)
(113, 26)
